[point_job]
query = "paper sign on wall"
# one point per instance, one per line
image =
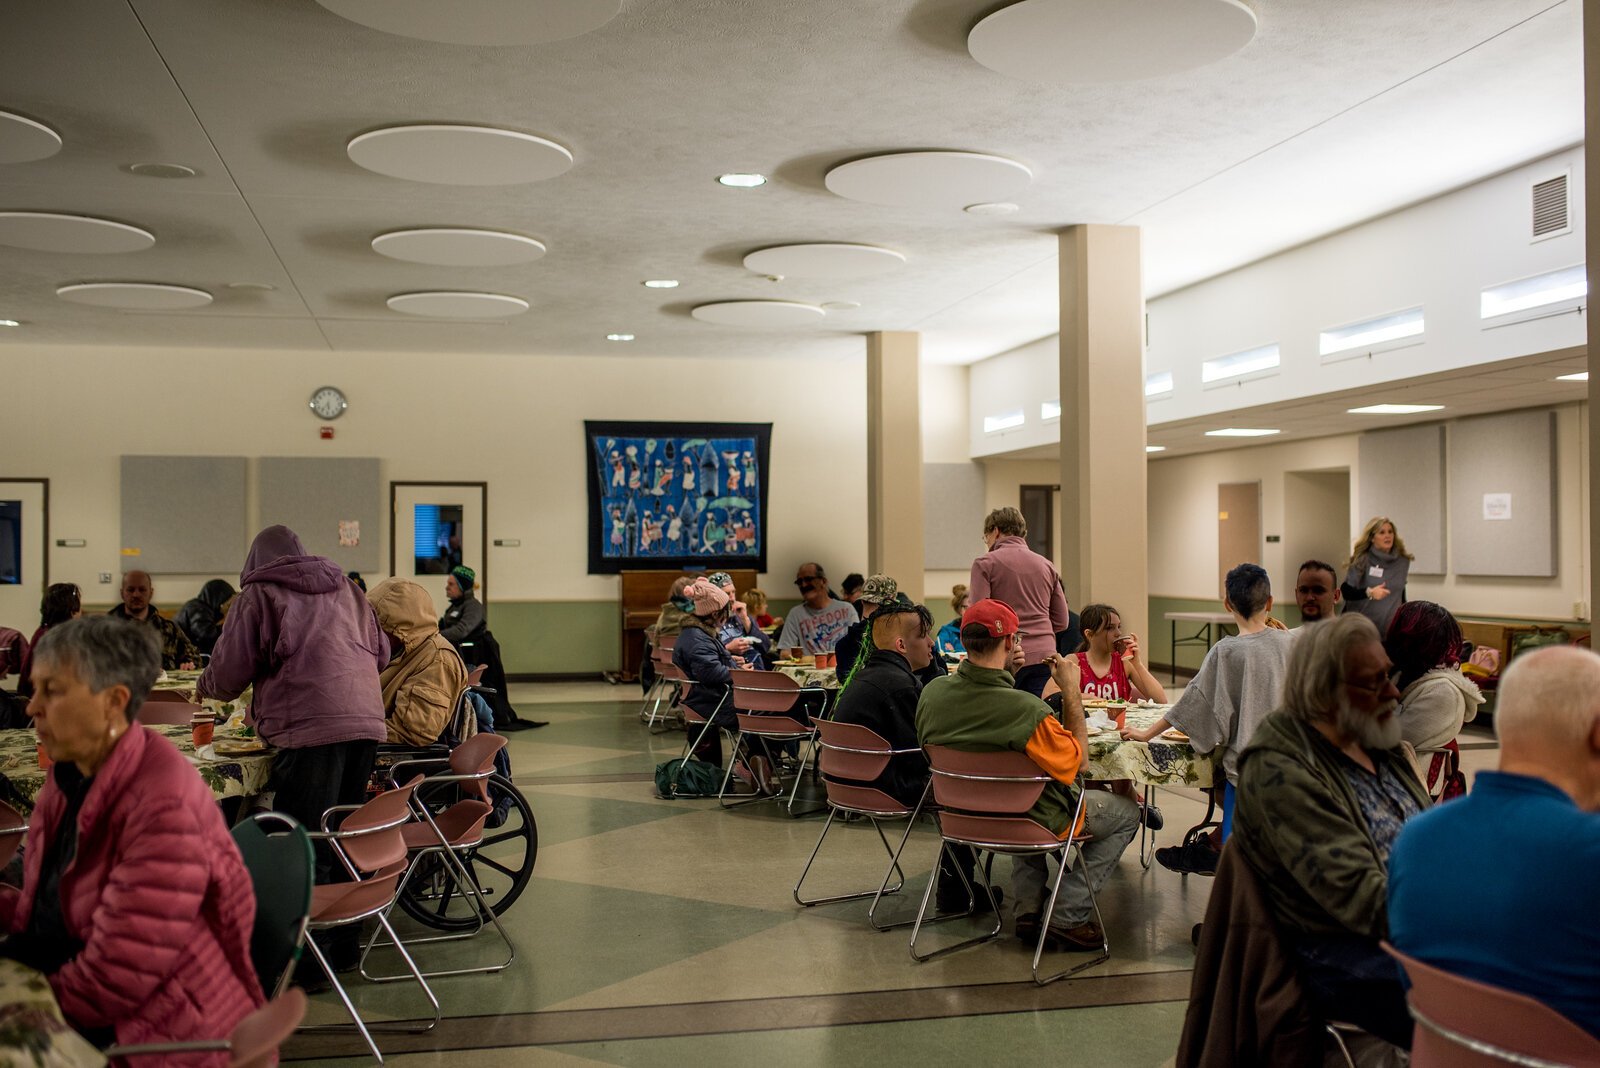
(1497, 506)
(349, 533)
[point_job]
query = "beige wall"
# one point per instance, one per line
(515, 422)
(1183, 525)
(944, 441)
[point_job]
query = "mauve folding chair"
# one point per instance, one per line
(766, 702)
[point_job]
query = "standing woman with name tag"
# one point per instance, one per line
(1375, 578)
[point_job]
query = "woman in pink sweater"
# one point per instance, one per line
(135, 902)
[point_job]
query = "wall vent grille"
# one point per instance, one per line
(1551, 215)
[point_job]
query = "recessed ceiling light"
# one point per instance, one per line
(1240, 432)
(265, 287)
(661, 283)
(619, 337)
(10, 322)
(161, 170)
(743, 181)
(1003, 207)
(1155, 448)
(1395, 409)
(1577, 376)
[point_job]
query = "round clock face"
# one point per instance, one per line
(328, 403)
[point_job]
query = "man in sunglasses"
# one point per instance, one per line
(819, 621)
(1316, 592)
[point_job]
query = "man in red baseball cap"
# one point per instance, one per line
(979, 710)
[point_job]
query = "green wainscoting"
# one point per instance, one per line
(557, 637)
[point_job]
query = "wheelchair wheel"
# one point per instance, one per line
(501, 864)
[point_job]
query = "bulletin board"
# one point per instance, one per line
(329, 502)
(1503, 495)
(1401, 474)
(183, 515)
(952, 515)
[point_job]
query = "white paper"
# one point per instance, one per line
(1497, 506)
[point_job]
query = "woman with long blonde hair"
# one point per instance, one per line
(1376, 573)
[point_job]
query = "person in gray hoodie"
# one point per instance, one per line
(1424, 642)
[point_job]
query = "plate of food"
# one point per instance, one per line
(226, 747)
(1174, 735)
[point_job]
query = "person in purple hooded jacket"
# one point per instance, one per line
(309, 642)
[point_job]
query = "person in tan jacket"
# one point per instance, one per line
(421, 685)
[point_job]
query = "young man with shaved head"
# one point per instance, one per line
(1501, 885)
(177, 651)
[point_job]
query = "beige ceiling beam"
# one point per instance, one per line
(894, 458)
(1104, 542)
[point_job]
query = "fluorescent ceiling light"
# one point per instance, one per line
(1050, 410)
(1395, 409)
(1155, 448)
(661, 283)
(1240, 432)
(1577, 376)
(619, 337)
(742, 181)
(1158, 383)
(1004, 421)
(1567, 284)
(1239, 364)
(1371, 332)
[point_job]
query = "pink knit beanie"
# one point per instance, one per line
(708, 599)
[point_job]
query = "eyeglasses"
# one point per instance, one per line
(1377, 688)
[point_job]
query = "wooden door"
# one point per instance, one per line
(1238, 526)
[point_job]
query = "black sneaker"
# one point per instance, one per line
(1191, 858)
(1028, 928)
(951, 898)
(1151, 817)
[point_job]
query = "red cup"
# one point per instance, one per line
(44, 758)
(1122, 718)
(203, 732)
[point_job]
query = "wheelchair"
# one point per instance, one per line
(501, 864)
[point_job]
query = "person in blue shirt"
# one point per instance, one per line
(1501, 886)
(948, 642)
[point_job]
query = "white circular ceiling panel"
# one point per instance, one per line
(1077, 42)
(479, 22)
(135, 296)
(45, 231)
(947, 180)
(456, 247)
(458, 305)
(825, 261)
(759, 313)
(23, 141)
(450, 154)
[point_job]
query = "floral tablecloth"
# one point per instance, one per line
(806, 675)
(237, 776)
(32, 1031)
(1158, 762)
(186, 684)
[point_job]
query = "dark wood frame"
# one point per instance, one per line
(44, 485)
(483, 549)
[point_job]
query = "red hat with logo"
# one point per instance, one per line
(994, 616)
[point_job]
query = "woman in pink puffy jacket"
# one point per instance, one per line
(135, 902)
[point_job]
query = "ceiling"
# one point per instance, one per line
(1334, 113)
(1525, 382)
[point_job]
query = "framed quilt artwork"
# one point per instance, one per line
(676, 495)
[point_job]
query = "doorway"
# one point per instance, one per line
(1038, 508)
(435, 526)
(1316, 520)
(24, 550)
(1238, 526)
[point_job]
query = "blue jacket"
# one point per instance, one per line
(701, 656)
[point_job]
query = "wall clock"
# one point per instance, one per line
(328, 402)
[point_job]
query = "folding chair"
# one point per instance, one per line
(671, 679)
(851, 751)
(652, 696)
(446, 835)
(1462, 1023)
(991, 794)
(253, 1043)
(776, 695)
(282, 870)
(371, 845)
(156, 713)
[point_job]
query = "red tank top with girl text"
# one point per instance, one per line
(1112, 686)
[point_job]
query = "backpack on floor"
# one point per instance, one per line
(695, 778)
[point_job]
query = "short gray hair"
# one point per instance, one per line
(1549, 695)
(104, 652)
(1315, 682)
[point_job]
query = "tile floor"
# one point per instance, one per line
(664, 932)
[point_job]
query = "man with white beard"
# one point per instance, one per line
(1324, 787)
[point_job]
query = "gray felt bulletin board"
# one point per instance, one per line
(1503, 495)
(319, 499)
(1402, 477)
(952, 518)
(183, 515)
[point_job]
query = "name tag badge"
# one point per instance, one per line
(1375, 571)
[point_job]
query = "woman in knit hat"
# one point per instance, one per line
(700, 654)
